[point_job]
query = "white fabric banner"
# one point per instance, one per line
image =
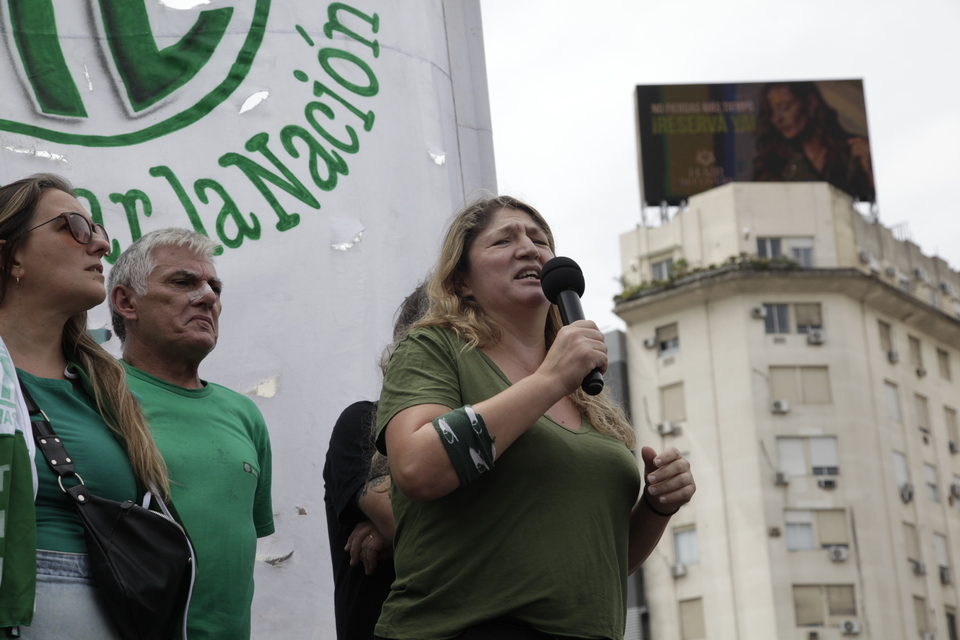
(323, 144)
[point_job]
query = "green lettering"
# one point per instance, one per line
(324, 56)
(229, 210)
(96, 212)
(744, 122)
(181, 193)
(148, 73)
(129, 201)
(334, 24)
(367, 118)
(335, 163)
(257, 174)
(34, 29)
(354, 145)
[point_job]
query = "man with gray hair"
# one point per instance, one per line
(165, 304)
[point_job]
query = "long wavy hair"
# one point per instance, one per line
(120, 411)
(448, 309)
(774, 151)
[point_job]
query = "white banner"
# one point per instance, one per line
(323, 144)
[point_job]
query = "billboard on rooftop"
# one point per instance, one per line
(694, 137)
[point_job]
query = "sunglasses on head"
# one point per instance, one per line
(80, 227)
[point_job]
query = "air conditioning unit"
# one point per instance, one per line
(650, 343)
(678, 570)
(827, 483)
(781, 478)
(948, 289)
(921, 372)
(891, 271)
(850, 627)
(837, 553)
(816, 336)
(666, 428)
(865, 256)
(893, 356)
(921, 274)
(928, 635)
(779, 406)
(906, 491)
(758, 312)
(919, 568)
(954, 446)
(955, 489)
(945, 577)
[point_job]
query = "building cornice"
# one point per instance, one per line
(734, 280)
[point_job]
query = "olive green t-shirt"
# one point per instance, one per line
(542, 537)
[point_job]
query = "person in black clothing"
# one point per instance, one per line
(360, 588)
(357, 500)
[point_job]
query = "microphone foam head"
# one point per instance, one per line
(560, 274)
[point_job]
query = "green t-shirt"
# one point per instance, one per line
(97, 456)
(216, 446)
(542, 537)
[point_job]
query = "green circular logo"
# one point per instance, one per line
(135, 94)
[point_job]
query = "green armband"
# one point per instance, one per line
(467, 441)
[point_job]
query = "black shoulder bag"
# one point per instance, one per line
(142, 559)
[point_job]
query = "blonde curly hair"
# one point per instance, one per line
(447, 308)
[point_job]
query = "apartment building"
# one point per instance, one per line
(807, 362)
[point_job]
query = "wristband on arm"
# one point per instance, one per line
(467, 441)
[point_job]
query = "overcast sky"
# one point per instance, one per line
(562, 75)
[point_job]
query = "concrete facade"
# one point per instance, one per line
(824, 462)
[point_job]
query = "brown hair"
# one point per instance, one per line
(120, 411)
(448, 309)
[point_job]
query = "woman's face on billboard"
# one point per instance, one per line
(789, 114)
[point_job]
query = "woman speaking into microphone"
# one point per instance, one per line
(517, 499)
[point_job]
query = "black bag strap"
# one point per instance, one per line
(53, 450)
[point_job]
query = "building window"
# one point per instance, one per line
(953, 433)
(930, 478)
(768, 247)
(920, 610)
(823, 456)
(809, 317)
(801, 250)
(663, 269)
(951, 623)
(815, 529)
(900, 472)
(668, 340)
(672, 404)
(685, 546)
(933, 297)
(808, 456)
(800, 385)
(956, 483)
(943, 360)
(691, 620)
(823, 605)
(911, 542)
(886, 337)
(904, 283)
(778, 318)
(916, 355)
(892, 397)
(923, 411)
(940, 551)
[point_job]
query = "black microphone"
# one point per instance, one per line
(562, 282)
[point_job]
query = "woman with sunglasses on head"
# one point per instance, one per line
(516, 496)
(50, 275)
